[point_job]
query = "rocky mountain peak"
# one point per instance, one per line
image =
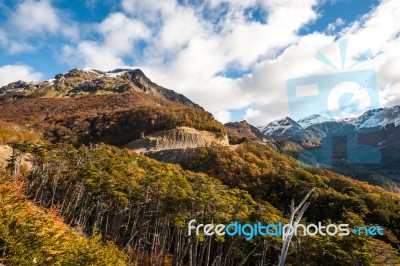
(242, 131)
(15, 86)
(80, 82)
(280, 129)
(239, 124)
(377, 118)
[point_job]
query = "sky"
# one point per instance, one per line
(231, 57)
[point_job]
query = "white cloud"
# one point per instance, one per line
(252, 114)
(11, 73)
(333, 26)
(150, 9)
(33, 16)
(223, 116)
(13, 47)
(189, 48)
(119, 34)
(298, 60)
(90, 54)
(197, 51)
(268, 78)
(34, 20)
(374, 29)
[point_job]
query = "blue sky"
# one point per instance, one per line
(232, 57)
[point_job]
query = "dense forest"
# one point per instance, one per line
(30, 235)
(143, 206)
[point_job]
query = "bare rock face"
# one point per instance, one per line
(15, 86)
(5, 153)
(175, 139)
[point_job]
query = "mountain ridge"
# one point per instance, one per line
(79, 82)
(280, 129)
(374, 118)
(377, 128)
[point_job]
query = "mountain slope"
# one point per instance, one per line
(280, 129)
(378, 128)
(268, 175)
(30, 235)
(88, 106)
(144, 205)
(313, 119)
(175, 139)
(377, 118)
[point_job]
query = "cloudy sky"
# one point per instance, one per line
(232, 57)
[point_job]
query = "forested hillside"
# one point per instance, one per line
(276, 178)
(33, 236)
(143, 206)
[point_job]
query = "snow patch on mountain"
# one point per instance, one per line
(374, 119)
(51, 81)
(115, 74)
(313, 120)
(280, 129)
(377, 118)
(91, 70)
(112, 73)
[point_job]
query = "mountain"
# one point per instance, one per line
(378, 128)
(373, 119)
(280, 129)
(313, 119)
(377, 118)
(79, 82)
(318, 127)
(311, 127)
(242, 131)
(91, 106)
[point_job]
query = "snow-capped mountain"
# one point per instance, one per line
(280, 129)
(377, 118)
(313, 119)
(371, 141)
